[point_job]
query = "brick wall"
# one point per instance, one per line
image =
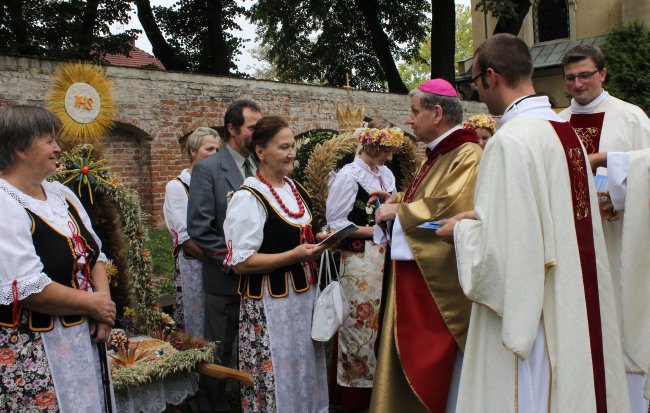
(154, 109)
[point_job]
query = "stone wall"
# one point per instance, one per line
(155, 108)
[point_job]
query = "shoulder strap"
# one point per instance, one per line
(186, 186)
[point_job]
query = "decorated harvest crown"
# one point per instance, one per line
(481, 121)
(349, 116)
(390, 137)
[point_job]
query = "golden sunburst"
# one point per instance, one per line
(82, 98)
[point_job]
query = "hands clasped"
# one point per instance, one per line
(102, 308)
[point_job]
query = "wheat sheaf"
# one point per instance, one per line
(324, 160)
(327, 157)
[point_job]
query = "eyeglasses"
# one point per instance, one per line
(475, 78)
(581, 76)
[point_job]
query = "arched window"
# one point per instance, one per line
(551, 20)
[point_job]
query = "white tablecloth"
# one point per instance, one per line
(154, 397)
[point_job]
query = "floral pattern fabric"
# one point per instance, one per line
(361, 283)
(275, 345)
(26, 380)
(255, 357)
(177, 305)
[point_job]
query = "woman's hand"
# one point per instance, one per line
(307, 252)
(383, 196)
(99, 332)
(102, 308)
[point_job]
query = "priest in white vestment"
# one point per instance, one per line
(543, 334)
(629, 188)
(605, 124)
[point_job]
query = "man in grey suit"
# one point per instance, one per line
(213, 179)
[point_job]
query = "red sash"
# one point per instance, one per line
(588, 128)
(425, 346)
(453, 141)
(578, 170)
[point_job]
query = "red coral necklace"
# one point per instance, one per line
(301, 206)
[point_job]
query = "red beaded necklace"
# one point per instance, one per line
(301, 207)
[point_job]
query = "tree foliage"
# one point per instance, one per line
(510, 14)
(323, 40)
(628, 69)
(64, 28)
(418, 69)
(199, 33)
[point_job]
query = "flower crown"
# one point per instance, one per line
(481, 121)
(393, 137)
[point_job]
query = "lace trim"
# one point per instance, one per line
(239, 256)
(361, 173)
(55, 205)
(28, 285)
(339, 223)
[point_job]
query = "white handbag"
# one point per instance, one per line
(331, 308)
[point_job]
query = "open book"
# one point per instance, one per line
(338, 236)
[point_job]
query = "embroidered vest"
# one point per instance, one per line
(59, 259)
(359, 217)
(279, 236)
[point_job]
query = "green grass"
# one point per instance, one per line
(160, 245)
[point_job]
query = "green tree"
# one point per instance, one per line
(510, 14)
(323, 40)
(199, 33)
(628, 69)
(64, 29)
(418, 69)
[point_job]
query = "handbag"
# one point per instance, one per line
(331, 308)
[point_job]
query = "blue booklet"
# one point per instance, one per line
(431, 225)
(601, 183)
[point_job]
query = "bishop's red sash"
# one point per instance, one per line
(453, 141)
(578, 170)
(588, 127)
(425, 346)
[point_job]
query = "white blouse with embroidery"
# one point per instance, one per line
(175, 207)
(246, 216)
(343, 189)
(18, 259)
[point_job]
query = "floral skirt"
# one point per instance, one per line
(275, 345)
(361, 283)
(53, 371)
(26, 379)
(179, 314)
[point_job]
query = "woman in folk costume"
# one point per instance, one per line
(54, 297)
(484, 125)
(271, 247)
(361, 259)
(188, 295)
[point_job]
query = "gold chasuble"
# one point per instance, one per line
(426, 314)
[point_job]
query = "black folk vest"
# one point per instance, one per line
(59, 259)
(279, 236)
(359, 217)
